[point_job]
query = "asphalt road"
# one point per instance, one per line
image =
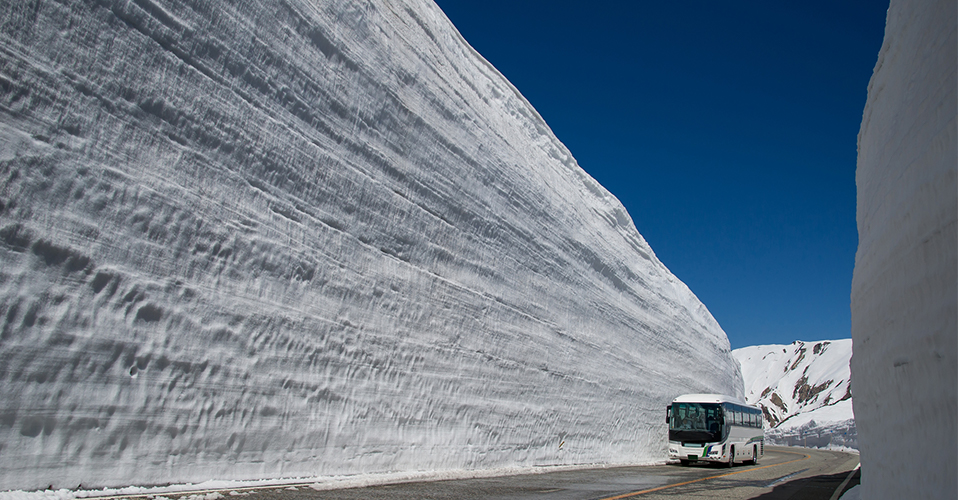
(783, 473)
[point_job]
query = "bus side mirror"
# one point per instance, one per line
(668, 414)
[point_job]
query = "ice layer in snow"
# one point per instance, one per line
(259, 239)
(904, 296)
(804, 392)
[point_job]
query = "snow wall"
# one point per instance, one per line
(259, 239)
(904, 295)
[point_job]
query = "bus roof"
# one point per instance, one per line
(709, 398)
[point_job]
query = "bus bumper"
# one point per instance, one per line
(697, 453)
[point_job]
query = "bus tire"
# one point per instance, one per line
(756, 456)
(733, 453)
(684, 462)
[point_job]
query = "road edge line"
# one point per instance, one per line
(839, 490)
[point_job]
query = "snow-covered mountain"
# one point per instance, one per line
(265, 238)
(804, 391)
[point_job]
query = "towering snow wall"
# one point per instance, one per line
(248, 239)
(904, 296)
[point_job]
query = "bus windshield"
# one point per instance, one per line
(696, 422)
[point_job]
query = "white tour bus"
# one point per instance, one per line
(714, 428)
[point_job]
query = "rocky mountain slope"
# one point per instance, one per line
(272, 238)
(804, 391)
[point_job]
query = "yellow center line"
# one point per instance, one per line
(658, 488)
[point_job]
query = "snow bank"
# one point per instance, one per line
(852, 493)
(260, 239)
(904, 294)
(217, 489)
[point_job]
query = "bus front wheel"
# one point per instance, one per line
(733, 453)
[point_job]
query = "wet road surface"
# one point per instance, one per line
(783, 473)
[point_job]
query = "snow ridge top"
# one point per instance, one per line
(788, 381)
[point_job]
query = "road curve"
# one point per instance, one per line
(783, 473)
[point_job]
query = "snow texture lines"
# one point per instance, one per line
(276, 238)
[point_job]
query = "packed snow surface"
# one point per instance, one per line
(804, 391)
(903, 300)
(260, 239)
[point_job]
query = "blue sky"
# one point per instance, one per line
(727, 130)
